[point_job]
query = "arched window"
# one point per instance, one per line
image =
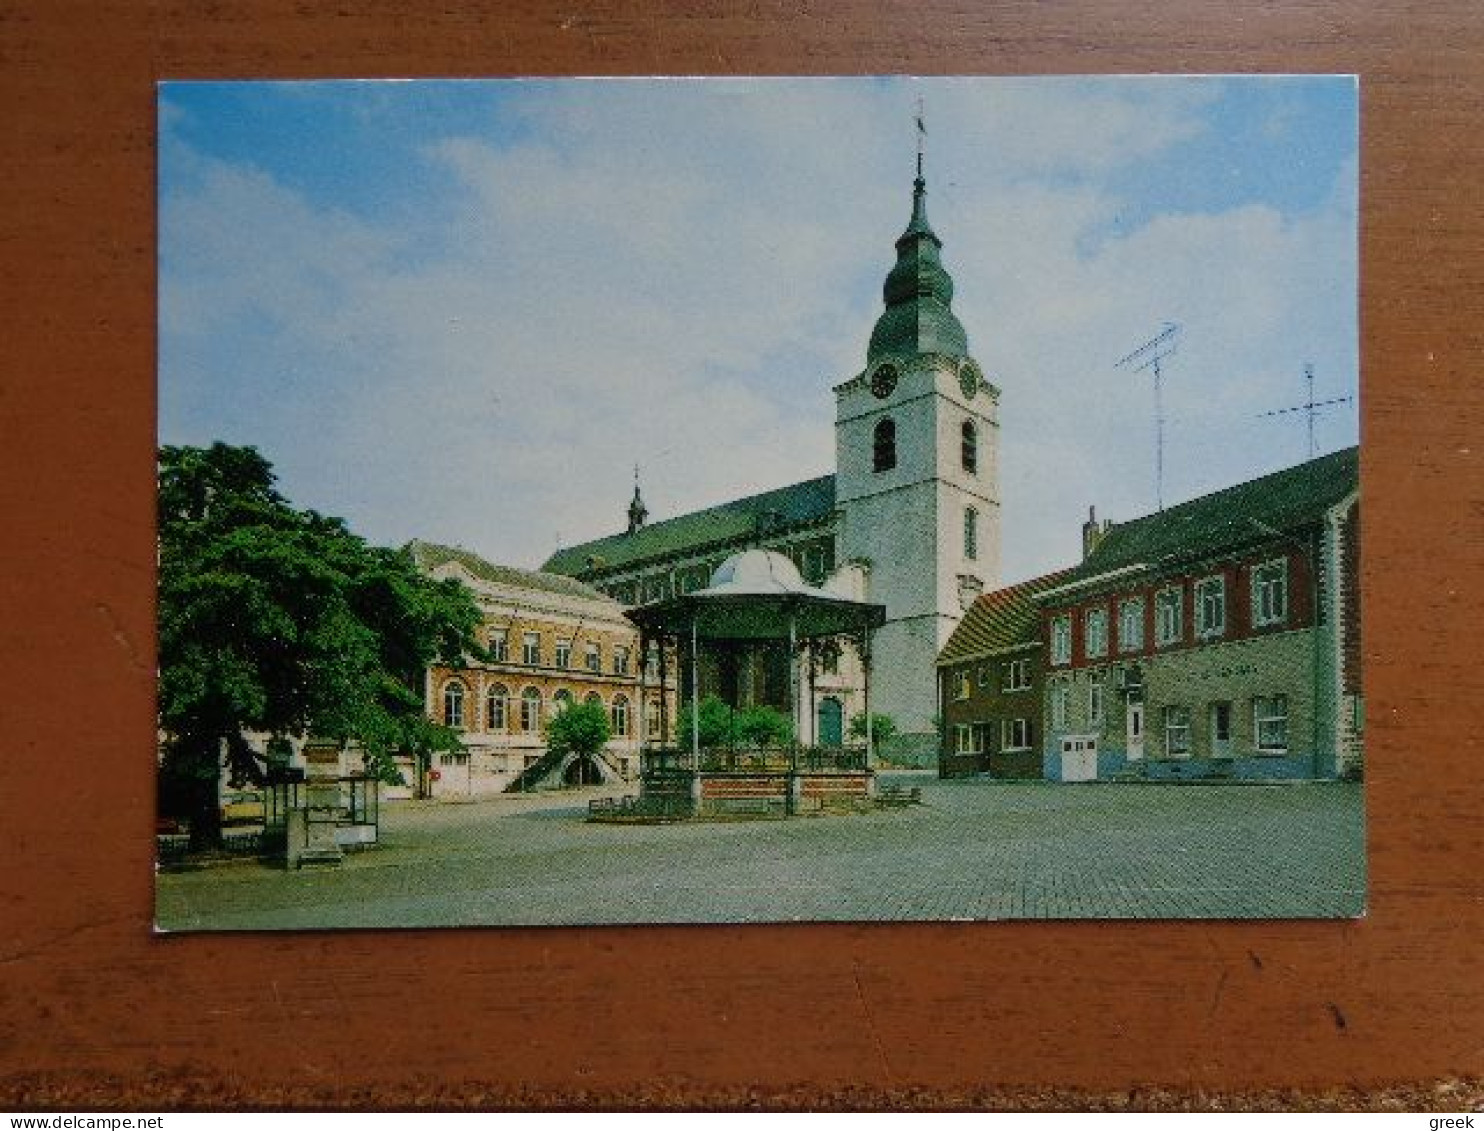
(971, 448)
(884, 445)
(497, 707)
(620, 715)
(971, 533)
(530, 709)
(594, 697)
(453, 704)
(561, 701)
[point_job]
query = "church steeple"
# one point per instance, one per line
(638, 512)
(918, 293)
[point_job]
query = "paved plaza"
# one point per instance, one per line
(973, 850)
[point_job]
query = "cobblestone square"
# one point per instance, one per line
(973, 850)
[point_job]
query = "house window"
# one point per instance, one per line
(1017, 675)
(1096, 625)
(564, 653)
(1017, 734)
(1095, 700)
(620, 660)
(497, 707)
(460, 758)
(530, 710)
(1061, 640)
(1270, 593)
(499, 646)
(961, 738)
(620, 714)
(1270, 722)
(961, 685)
(561, 701)
(970, 452)
(1169, 620)
(652, 720)
(1177, 732)
(594, 659)
(1131, 624)
(971, 533)
(1210, 607)
(530, 648)
(1061, 697)
(884, 445)
(453, 704)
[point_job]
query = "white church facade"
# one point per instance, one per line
(909, 520)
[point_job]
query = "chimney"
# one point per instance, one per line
(1092, 533)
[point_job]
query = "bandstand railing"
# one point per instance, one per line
(751, 759)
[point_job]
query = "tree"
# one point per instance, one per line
(761, 725)
(715, 723)
(581, 729)
(883, 727)
(282, 622)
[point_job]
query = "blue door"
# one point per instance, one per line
(831, 722)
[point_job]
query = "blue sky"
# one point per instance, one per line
(463, 310)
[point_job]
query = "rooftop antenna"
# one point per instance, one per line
(1148, 356)
(1310, 407)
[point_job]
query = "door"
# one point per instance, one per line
(1135, 731)
(831, 722)
(1079, 757)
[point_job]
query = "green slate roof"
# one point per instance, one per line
(1236, 516)
(918, 294)
(1002, 619)
(732, 523)
(429, 556)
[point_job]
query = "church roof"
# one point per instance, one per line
(429, 556)
(1005, 618)
(1233, 517)
(728, 524)
(918, 292)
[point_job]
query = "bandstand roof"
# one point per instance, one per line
(755, 595)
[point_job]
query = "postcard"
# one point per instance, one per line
(615, 501)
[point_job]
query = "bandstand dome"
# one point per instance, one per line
(757, 572)
(758, 595)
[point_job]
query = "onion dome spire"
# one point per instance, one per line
(918, 293)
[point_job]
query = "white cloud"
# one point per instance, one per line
(677, 275)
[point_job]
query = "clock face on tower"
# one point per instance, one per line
(969, 378)
(884, 380)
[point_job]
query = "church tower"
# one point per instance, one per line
(917, 482)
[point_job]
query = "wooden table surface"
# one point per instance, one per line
(914, 1014)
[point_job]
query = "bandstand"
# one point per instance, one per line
(756, 603)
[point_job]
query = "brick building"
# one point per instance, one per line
(1220, 637)
(991, 676)
(554, 640)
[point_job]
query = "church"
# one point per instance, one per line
(909, 520)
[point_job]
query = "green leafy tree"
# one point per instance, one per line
(762, 725)
(883, 727)
(282, 622)
(581, 728)
(715, 723)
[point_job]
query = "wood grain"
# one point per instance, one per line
(925, 1011)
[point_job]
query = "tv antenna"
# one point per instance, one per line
(1148, 356)
(1310, 407)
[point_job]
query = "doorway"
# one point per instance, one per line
(1135, 731)
(831, 722)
